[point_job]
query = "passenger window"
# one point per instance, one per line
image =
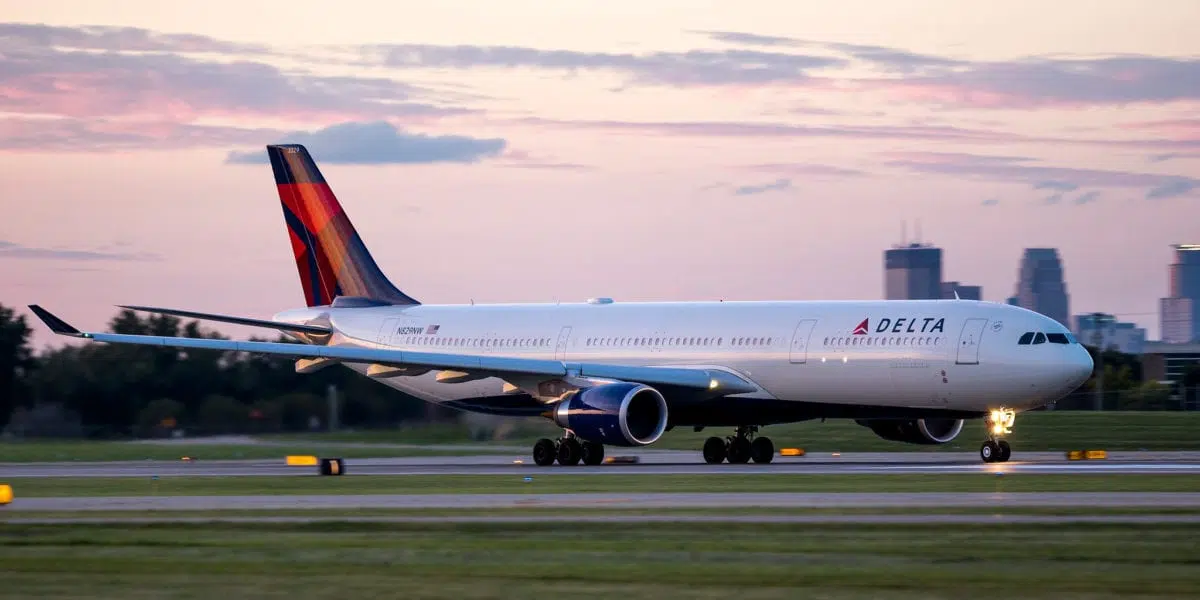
(1025, 339)
(1057, 338)
(1040, 338)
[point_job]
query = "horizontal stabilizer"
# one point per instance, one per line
(312, 329)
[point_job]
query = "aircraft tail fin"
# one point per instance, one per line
(330, 256)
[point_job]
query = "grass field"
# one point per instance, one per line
(561, 484)
(630, 561)
(1034, 431)
(1037, 431)
(88, 451)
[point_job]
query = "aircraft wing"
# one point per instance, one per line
(712, 380)
(310, 329)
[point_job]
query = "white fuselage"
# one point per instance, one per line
(920, 354)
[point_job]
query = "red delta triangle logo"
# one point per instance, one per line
(862, 328)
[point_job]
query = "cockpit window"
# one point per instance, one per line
(1072, 339)
(1057, 338)
(1040, 338)
(1025, 339)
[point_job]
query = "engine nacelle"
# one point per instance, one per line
(615, 414)
(915, 431)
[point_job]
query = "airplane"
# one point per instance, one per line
(624, 373)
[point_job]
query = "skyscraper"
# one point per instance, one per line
(913, 272)
(1040, 284)
(1180, 311)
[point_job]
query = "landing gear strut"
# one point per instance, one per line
(739, 448)
(568, 451)
(999, 424)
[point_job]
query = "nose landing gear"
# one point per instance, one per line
(999, 424)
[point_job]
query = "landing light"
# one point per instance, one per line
(997, 429)
(712, 384)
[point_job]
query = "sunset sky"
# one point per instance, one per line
(525, 151)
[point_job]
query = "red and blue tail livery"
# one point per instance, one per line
(330, 256)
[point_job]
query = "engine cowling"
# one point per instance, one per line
(916, 431)
(616, 414)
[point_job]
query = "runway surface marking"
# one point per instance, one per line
(661, 462)
(614, 500)
(765, 519)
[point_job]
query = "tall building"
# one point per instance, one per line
(965, 292)
(1040, 284)
(913, 272)
(1180, 311)
(1105, 332)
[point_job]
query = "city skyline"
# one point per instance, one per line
(1181, 308)
(539, 151)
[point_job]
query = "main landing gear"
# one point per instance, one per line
(739, 448)
(568, 451)
(999, 424)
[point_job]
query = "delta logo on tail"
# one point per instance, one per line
(903, 325)
(862, 328)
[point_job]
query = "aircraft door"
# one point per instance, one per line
(798, 351)
(968, 342)
(387, 330)
(560, 349)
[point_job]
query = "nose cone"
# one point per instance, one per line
(1079, 365)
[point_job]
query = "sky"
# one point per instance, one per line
(530, 151)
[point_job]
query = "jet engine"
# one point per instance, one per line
(915, 431)
(616, 414)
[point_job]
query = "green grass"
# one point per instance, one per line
(89, 451)
(1034, 431)
(561, 484)
(630, 561)
(1037, 431)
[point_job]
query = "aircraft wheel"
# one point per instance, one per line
(714, 450)
(989, 451)
(762, 450)
(544, 452)
(569, 452)
(739, 450)
(593, 453)
(1005, 451)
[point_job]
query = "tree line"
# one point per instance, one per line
(108, 390)
(117, 390)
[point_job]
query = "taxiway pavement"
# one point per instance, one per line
(637, 500)
(576, 519)
(650, 462)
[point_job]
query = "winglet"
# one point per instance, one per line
(55, 324)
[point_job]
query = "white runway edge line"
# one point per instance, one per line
(614, 501)
(468, 466)
(999, 520)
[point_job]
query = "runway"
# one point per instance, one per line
(636, 500)
(650, 462)
(577, 519)
(548, 507)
